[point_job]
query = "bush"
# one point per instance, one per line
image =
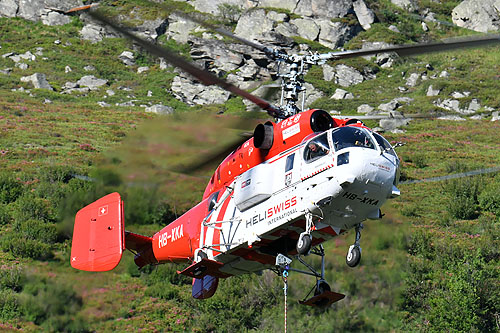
(28, 248)
(489, 199)
(10, 188)
(11, 277)
(4, 214)
(36, 230)
(28, 207)
(52, 305)
(9, 305)
(464, 193)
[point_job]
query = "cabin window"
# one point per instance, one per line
(316, 148)
(289, 162)
(346, 137)
(213, 200)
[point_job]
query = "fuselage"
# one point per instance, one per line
(256, 202)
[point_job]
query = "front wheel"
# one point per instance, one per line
(353, 256)
(304, 244)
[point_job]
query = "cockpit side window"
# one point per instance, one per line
(384, 144)
(346, 137)
(316, 148)
(289, 162)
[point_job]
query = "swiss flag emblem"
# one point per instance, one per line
(103, 210)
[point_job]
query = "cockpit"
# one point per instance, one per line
(346, 137)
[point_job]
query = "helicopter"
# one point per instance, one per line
(299, 181)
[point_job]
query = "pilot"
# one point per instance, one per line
(316, 150)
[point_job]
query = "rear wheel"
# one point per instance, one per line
(321, 287)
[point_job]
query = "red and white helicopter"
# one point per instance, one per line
(297, 182)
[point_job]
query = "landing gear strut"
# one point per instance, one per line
(354, 253)
(305, 240)
(322, 294)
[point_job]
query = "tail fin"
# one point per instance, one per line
(99, 235)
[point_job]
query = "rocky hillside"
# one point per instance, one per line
(292, 25)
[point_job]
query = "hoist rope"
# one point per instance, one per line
(285, 287)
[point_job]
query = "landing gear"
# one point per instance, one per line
(322, 294)
(304, 244)
(354, 253)
(321, 287)
(305, 240)
(200, 255)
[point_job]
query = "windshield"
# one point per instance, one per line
(346, 137)
(384, 144)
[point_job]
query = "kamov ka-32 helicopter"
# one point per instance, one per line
(297, 182)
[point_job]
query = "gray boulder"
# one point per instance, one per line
(8, 8)
(336, 34)
(48, 11)
(482, 16)
(38, 80)
(432, 92)
(364, 14)
(342, 75)
(49, 17)
(91, 82)
(409, 5)
(342, 94)
(179, 28)
(160, 109)
(194, 93)
(213, 6)
(495, 116)
(324, 8)
(306, 28)
(254, 25)
(92, 32)
(209, 53)
(365, 108)
(127, 57)
(394, 122)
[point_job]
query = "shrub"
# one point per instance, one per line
(28, 206)
(36, 230)
(4, 214)
(11, 277)
(10, 188)
(28, 248)
(51, 305)
(9, 305)
(489, 199)
(463, 202)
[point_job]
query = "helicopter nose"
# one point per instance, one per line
(364, 166)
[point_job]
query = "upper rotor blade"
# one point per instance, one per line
(414, 49)
(204, 76)
(225, 32)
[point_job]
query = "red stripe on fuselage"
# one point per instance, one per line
(220, 217)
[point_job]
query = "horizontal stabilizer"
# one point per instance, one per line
(98, 236)
(324, 299)
(204, 267)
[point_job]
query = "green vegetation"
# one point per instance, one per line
(431, 264)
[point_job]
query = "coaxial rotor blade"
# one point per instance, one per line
(203, 76)
(453, 176)
(226, 33)
(214, 156)
(421, 48)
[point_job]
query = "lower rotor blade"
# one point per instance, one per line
(421, 48)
